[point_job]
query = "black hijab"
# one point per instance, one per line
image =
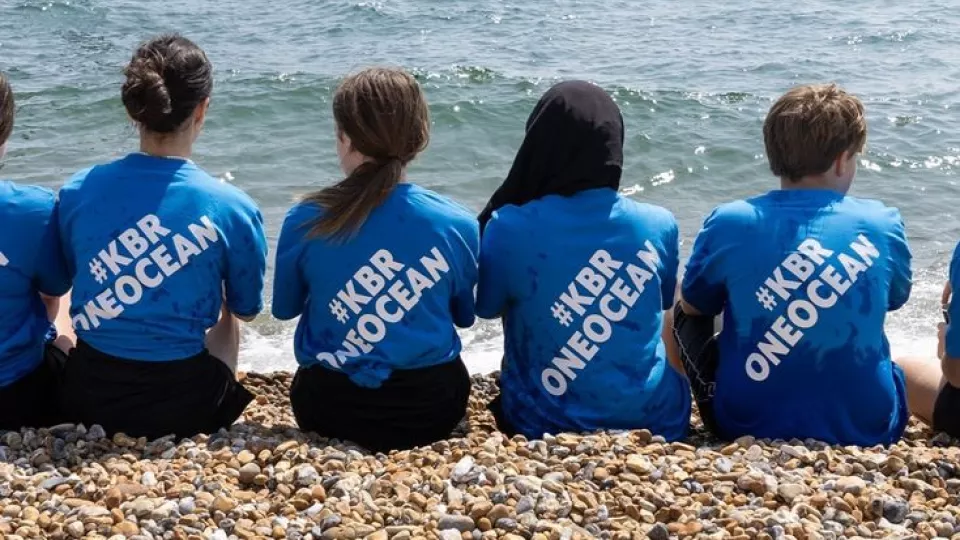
(574, 142)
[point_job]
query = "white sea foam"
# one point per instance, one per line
(264, 350)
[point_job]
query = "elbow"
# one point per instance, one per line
(464, 320)
(284, 313)
(485, 312)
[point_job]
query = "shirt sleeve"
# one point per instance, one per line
(492, 289)
(704, 285)
(671, 264)
(246, 264)
(463, 304)
(901, 280)
(289, 288)
(953, 329)
(52, 277)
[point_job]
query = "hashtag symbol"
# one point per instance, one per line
(98, 271)
(767, 300)
(561, 314)
(340, 312)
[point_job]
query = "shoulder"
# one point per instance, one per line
(300, 214)
(445, 208)
(741, 209)
(79, 179)
(228, 195)
(739, 214)
(873, 210)
(507, 219)
(27, 201)
(650, 213)
(27, 196)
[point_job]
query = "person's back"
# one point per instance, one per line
(381, 272)
(152, 240)
(804, 277)
(32, 277)
(397, 276)
(166, 260)
(588, 277)
(580, 276)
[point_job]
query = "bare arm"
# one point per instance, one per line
(52, 303)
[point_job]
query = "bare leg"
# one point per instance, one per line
(924, 382)
(223, 340)
(58, 311)
(673, 350)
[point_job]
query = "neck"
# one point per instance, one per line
(172, 145)
(809, 182)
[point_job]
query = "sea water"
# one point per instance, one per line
(694, 79)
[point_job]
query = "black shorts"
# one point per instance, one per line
(697, 340)
(152, 399)
(413, 407)
(34, 400)
(946, 411)
(503, 425)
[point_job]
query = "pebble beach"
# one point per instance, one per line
(265, 479)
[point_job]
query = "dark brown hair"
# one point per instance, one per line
(385, 115)
(7, 109)
(809, 127)
(167, 78)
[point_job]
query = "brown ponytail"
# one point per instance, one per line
(385, 116)
(7, 109)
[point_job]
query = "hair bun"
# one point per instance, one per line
(167, 78)
(146, 94)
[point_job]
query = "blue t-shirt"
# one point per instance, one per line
(31, 262)
(952, 341)
(153, 244)
(581, 283)
(804, 279)
(387, 298)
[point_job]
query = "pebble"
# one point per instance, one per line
(248, 473)
(895, 511)
(659, 532)
(264, 479)
(851, 484)
(148, 479)
(75, 529)
(460, 523)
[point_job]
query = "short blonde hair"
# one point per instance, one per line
(809, 127)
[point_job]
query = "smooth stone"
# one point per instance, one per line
(659, 532)
(895, 511)
(460, 523)
(851, 484)
(248, 472)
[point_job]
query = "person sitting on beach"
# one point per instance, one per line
(581, 277)
(165, 260)
(933, 388)
(803, 277)
(380, 271)
(33, 277)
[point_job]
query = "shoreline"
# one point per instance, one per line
(264, 478)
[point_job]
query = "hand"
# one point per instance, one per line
(941, 340)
